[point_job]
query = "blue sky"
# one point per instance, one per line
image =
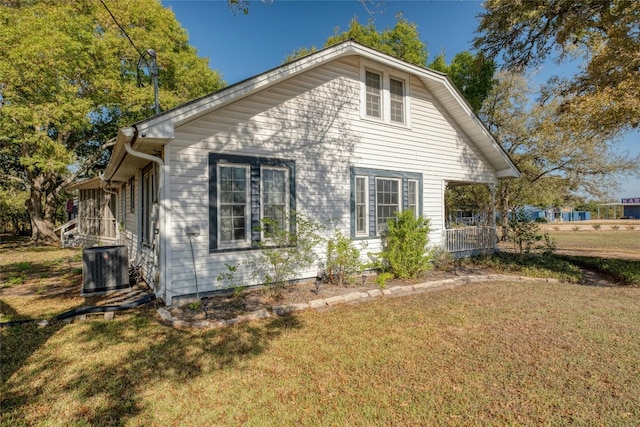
(241, 46)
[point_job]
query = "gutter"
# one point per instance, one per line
(162, 223)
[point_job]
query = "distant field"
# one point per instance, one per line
(609, 243)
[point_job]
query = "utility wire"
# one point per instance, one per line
(125, 33)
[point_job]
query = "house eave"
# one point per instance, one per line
(157, 131)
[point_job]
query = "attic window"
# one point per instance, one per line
(373, 84)
(384, 94)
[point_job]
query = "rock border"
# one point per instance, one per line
(349, 298)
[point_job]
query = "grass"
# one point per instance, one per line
(511, 353)
(47, 281)
(619, 243)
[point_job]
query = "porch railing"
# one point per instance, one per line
(83, 231)
(66, 231)
(472, 240)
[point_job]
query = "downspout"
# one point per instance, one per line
(162, 261)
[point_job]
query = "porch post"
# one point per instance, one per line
(494, 231)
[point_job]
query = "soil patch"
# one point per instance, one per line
(229, 306)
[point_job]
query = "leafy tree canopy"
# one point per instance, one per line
(69, 77)
(556, 153)
(605, 34)
(471, 73)
(402, 41)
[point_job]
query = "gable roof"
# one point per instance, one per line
(151, 134)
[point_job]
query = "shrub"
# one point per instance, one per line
(630, 227)
(381, 279)
(597, 226)
(343, 260)
(524, 234)
(404, 245)
(284, 252)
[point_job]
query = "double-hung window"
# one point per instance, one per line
(373, 82)
(378, 195)
(396, 94)
(275, 198)
(384, 94)
(387, 200)
(243, 192)
(233, 205)
(361, 205)
(412, 195)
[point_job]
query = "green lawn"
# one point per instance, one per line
(480, 354)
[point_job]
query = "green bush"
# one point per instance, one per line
(285, 252)
(404, 245)
(381, 279)
(343, 260)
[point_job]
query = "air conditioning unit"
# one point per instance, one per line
(104, 269)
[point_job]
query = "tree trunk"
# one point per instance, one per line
(42, 217)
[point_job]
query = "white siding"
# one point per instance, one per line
(313, 119)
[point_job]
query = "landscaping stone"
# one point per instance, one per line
(373, 293)
(263, 313)
(352, 296)
(164, 314)
(317, 303)
(180, 324)
(201, 324)
(281, 310)
(335, 300)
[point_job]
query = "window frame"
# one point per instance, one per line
(370, 176)
(255, 166)
(399, 204)
(286, 199)
(365, 205)
(246, 242)
(379, 94)
(387, 74)
(416, 200)
(403, 100)
(149, 199)
(132, 194)
(123, 201)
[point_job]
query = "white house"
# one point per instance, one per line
(346, 135)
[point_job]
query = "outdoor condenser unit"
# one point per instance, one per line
(104, 269)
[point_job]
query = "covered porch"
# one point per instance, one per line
(470, 212)
(95, 220)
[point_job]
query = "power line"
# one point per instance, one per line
(125, 33)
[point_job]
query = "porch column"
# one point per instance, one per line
(492, 189)
(494, 231)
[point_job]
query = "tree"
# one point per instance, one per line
(402, 41)
(471, 73)
(556, 154)
(69, 77)
(604, 34)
